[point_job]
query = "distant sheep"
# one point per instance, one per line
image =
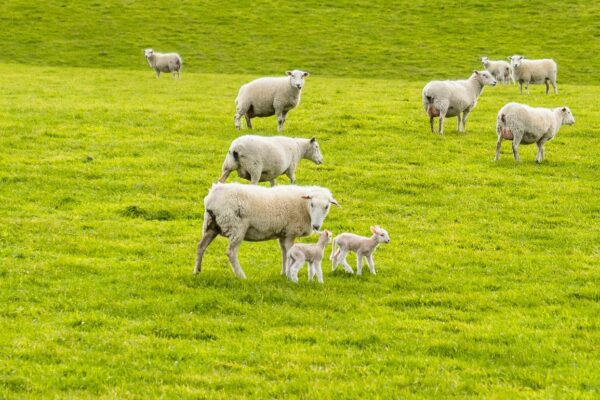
(261, 159)
(301, 253)
(164, 62)
(362, 246)
(451, 98)
(533, 71)
(500, 69)
(264, 97)
(256, 213)
(523, 124)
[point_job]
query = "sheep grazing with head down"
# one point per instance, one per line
(256, 213)
(312, 254)
(533, 71)
(452, 98)
(500, 69)
(261, 159)
(264, 97)
(164, 62)
(523, 124)
(363, 247)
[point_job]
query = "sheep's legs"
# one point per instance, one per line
(291, 173)
(272, 182)
(371, 264)
(554, 86)
(515, 147)
(431, 124)
(540, 154)
(208, 236)
(311, 271)
(441, 130)
(319, 271)
(157, 73)
(232, 254)
(464, 121)
(248, 121)
(527, 88)
(293, 268)
(334, 259)
(520, 87)
(458, 122)
(342, 258)
(281, 120)
(285, 245)
(498, 146)
(547, 86)
(359, 263)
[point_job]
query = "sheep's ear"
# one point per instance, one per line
(288, 73)
(476, 72)
(334, 201)
(373, 230)
(307, 197)
(313, 139)
(521, 57)
(305, 74)
(564, 109)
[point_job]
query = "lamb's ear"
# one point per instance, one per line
(306, 74)
(313, 139)
(334, 201)
(373, 230)
(288, 73)
(307, 197)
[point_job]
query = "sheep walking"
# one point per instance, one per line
(451, 98)
(533, 71)
(523, 124)
(256, 213)
(363, 247)
(261, 159)
(312, 254)
(164, 62)
(499, 69)
(264, 97)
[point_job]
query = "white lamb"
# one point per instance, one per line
(533, 71)
(256, 213)
(499, 69)
(264, 97)
(523, 124)
(362, 246)
(164, 62)
(261, 159)
(451, 98)
(301, 253)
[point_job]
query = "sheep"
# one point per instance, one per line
(264, 97)
(524, 124)
(533, 71)
(500, 69)
(164, 62)
(451, 98)
(256, 213)
(362, 246)
(311, 253)
(261, 159)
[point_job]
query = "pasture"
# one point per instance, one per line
(490, 287)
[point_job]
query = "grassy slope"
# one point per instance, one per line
(489, 287)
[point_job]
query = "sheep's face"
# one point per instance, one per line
(567, 116)
(485, 78)
(485, 61)
(318, 208)
(381, 235)
(314, 152)
(148, 53)
(516, 61)
(297, 78)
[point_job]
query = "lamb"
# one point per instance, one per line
(500, 70)
(260, 159)
(523, 124)
(164, 62)
(533, 71)
(362, 246)
(264, 97)
(451, 98)
(311, 253)
(256, 213)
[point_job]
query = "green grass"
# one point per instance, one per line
(489, 288)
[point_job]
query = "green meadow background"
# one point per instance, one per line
(490, 287)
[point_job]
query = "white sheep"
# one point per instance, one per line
(261, 159)
(164, 62)
(362, 246)
(256, 213)
(523, 124)
(533, 71)
(264, 97)
(499, 69)
(451, 98)
(301, 253)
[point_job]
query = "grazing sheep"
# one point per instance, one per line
(311, 253)
(451, 98)
(533, 71)
(500, 69)
(362, 246)
(523, 124)
(164, 62)
(261, 159)
(256, 213)
(264, 97)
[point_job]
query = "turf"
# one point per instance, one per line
(488, 289)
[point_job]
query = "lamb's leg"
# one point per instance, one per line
(293, 270)
(248, 121)
(232, 253)
(371, 264)
(285, 245)
(335, 259)
(208, 236)
(311, 271)
(345, 264)
(319, 271)
(359, 263)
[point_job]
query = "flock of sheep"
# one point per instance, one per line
(256, 213)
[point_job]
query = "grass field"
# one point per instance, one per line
(490, 287)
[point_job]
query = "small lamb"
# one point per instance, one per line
(164, 62)
(300, 253)
(362, 246)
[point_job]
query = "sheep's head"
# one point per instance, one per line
(297, 78)
(325, 236)
(567, 116)
(516, 61)
(484, 78)
(318, 207)
(148, 53)
(381, 235)
(313, 153)
(485, 61)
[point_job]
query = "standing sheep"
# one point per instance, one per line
(451, 98)
(533, 71)
(256, 213)
(261, 159)
(164, 62)
(311, 253)
(264, 97)
(523, 124)
(362, 246)
(500, 69)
